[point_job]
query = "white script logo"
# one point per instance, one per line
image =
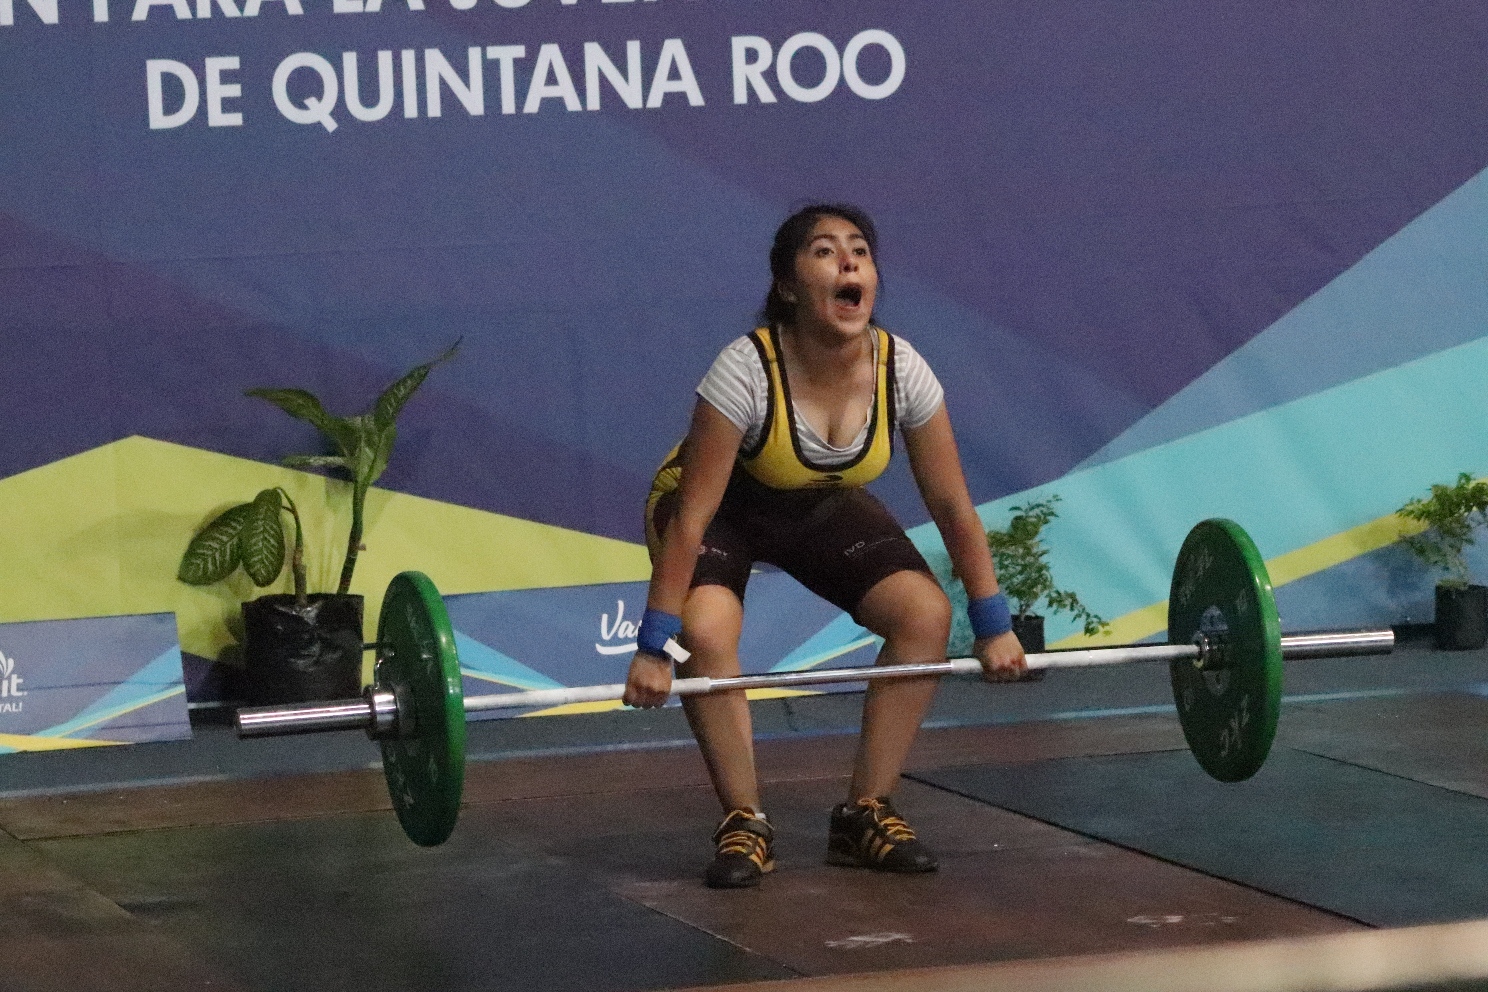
(621, 628)
(10, 686)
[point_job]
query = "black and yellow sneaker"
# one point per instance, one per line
(744, 855)
(870, 834)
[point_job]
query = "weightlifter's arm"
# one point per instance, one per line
(707, 462)
(937, 470)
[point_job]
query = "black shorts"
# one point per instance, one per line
(837, 542)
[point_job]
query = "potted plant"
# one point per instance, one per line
(302, 646)
(1023, 574)
(1451, 515)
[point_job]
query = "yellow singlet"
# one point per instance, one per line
(776, 458)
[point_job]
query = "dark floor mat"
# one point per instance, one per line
(1436, 738)
(348, 903)
(1377, 848)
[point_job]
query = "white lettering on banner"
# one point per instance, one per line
(752, 57)
(251, 7)
(142, 9)
(45, 10)
(673, 56)
(550, 62)
(155, 72)
(627, 87)
(751, 72)
(472, 96)
(316, 110)
(374, 6)
(622, 628)
(217, 91)
(410, 83)
(855, 47)
(352, 86)
(506, 56)
(229, 8)
(786, 75)
(175, 90)
(10, 686)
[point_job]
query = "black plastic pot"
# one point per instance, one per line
(1461, 618)
(1030, 630)
(295, 655)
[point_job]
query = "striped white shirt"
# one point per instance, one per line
(737, 387)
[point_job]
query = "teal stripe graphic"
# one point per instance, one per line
(1290, 475)
(834, 643)
(159, 679)
(1420, 292)
(479, 661)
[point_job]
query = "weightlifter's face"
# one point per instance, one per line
(836, 281)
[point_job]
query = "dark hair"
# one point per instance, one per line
(789, 240)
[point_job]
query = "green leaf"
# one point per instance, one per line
(261, 541)
(304, 406)
(1022, 564)
(213, 553)
(1451, 514)
(365, 464)
(382, 450)
(390, 403)
(315, 461)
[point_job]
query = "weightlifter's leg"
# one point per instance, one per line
(908, 610)
(712, 618)
(911, 613)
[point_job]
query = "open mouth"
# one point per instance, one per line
(851, 295)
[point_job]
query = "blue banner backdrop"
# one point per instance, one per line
(585, 635)
(109, 680)
(1114, 229)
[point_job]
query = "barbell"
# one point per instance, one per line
(1224, 651)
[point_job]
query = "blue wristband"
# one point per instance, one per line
(990, 616)
(657, 627)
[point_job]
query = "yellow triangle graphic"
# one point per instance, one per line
(101, 534)
(27, 742)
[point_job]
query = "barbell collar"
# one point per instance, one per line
(385, 717)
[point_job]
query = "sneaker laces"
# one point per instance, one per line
(893, 824)
(749, 843)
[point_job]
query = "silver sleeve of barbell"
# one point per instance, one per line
(1338, 643)
(271, 721)
(1090, 657)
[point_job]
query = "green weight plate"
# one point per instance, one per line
(416, 657)
(1220, 587)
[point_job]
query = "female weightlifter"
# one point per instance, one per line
(792, 421)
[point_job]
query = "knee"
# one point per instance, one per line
(708, 641)
(712, 637)
(919, 630)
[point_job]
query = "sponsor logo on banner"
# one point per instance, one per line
(10, 686)
(618, 637)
